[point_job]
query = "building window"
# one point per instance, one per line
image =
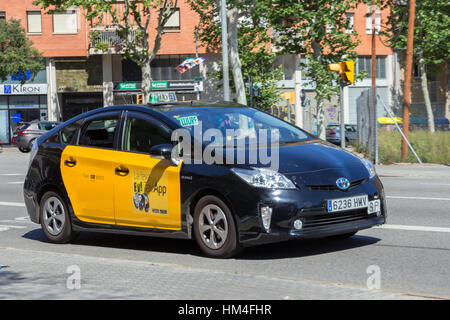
(2, 15)
(349, 16)
(173, 24)
(65, 22)
(364, 63)
(369, 21)
(34, 22)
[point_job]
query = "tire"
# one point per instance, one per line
(24, 150)
(55, 220)
(214, 228)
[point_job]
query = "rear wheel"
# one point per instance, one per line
(24, 150)
(55, 220)
(214, 228)
(30, 144)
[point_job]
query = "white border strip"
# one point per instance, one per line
(12, 204)
(417, 198)
(413, 228)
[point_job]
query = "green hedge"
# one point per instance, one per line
(431, 148)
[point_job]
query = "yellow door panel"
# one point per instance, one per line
(149, 195)
(88, 175)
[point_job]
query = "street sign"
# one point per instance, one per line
(163, 97)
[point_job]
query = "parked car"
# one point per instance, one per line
(27, 132)
(333, 133)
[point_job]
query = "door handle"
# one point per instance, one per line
(122, 171)
(70, 162)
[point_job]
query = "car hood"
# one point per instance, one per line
(316, 163)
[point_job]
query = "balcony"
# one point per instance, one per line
(106, 41)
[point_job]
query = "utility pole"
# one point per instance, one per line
(342, 112)
(299, 121)
(408, 74)
(374, 124)
(225, 64)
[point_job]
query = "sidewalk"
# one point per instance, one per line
(44, 275)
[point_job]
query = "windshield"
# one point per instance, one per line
(237, 124)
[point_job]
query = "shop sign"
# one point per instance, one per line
(23, 89)
(128, 86)
(159, 85)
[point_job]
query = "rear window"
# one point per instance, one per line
(21, 127)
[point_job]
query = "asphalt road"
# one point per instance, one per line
(408, 258)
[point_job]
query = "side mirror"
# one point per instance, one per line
(163, 151)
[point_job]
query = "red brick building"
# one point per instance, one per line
(77, 78)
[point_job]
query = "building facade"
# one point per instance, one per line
(77, 78)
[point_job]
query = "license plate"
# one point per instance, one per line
(374, 206)
(351, 203)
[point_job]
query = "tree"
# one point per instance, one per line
(249, 44)
(132, 27)
(318, 30)
(17, 55)
(431, 39)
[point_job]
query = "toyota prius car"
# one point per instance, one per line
(224, 174)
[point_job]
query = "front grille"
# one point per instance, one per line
(334, 187)
(335, 218)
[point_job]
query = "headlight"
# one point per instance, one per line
(264, 178)
(369, 167)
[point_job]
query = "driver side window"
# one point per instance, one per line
(140, 135)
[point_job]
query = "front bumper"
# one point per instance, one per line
(309, 206)
(317, 232)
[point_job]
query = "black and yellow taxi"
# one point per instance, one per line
(143, 170)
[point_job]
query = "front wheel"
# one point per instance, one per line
(214, 228)
(24, 150)
(55, 220)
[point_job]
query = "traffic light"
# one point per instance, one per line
(139, 99)
(346, 70)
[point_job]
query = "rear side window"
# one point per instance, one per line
(68, 132)
(99, 133)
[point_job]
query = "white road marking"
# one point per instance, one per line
(12, 204)
(413, 228)
(417, 198)
(7, 227)
(15, 182)
(11, 174)
(17, 220)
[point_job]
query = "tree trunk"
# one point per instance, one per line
(320, 120)
(447, 95)
(317, 55)
(426, 94)
(146, 80)
(235, 62)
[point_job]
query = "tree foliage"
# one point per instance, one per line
(254, 47)
(431, 39)
(17, 55)
(132, 26)
(317, 30)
